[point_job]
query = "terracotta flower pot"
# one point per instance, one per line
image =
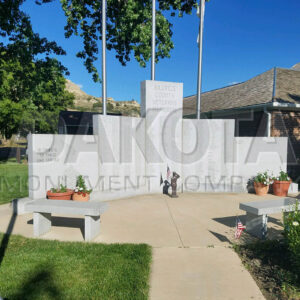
(261, 189)
(82, 197)
(281, 188)
(60, 196)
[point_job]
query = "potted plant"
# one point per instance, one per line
(281, 184)
(81, 192)
(261, 183)
(61, 193)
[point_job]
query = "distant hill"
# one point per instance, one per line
(85, 102)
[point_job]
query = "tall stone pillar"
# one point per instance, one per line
(161, 106)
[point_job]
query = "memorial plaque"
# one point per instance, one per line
(161, 95)
(43, 156)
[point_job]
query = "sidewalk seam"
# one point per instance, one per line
(174, 223)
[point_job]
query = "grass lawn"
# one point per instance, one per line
(272, 268)
(13, 181)
(41, 269)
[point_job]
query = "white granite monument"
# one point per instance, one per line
(127, 156)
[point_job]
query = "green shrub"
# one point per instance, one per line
(60, 189)
(81, 186)
(97, 104)
(283, 176)
(263, 178)
(292, 234)
(110, 106)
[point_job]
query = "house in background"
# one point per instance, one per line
(265, 105)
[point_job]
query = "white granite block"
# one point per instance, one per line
(19, 205)
(91, 227)
(41, 223)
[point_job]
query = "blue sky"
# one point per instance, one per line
(242, 38)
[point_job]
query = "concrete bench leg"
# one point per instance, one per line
(91, 227)
(41, 223)
(257, 225)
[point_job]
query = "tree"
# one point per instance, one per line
(128, 28)
(129, 25)
(31, 96)
(32, 90)
(16, 29)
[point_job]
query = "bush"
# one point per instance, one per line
(292, 235)
(110, 106)
(263, 178)
(97, 104)
(283, 176)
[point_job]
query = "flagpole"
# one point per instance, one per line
(153, 41)
(199, 83)
(104, 57)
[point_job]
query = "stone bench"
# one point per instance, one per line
(257, 213)
(42, 210)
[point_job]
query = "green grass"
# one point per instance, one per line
(13, 181)
(41, 269)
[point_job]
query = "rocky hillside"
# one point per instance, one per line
(85, 102)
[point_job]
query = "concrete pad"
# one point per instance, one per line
(200, 273)
(143, 219)
(4, 209)
(204, 219)
(193, 220)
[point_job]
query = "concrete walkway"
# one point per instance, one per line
(191, 238)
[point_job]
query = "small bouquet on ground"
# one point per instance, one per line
(81, 193)
(262, 182)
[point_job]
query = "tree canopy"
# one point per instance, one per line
(129, 24)
(32, 89)
(31, 96)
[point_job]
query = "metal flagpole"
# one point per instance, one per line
(104, 57)
(201, 24)
(153, 41)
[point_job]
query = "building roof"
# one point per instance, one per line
(275, 85)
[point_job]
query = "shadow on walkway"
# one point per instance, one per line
(222, 238)
(273, 233)
(66, 222)
(231, 221)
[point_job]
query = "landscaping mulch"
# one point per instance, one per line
(270, 265)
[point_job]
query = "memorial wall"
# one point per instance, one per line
(127, 156)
